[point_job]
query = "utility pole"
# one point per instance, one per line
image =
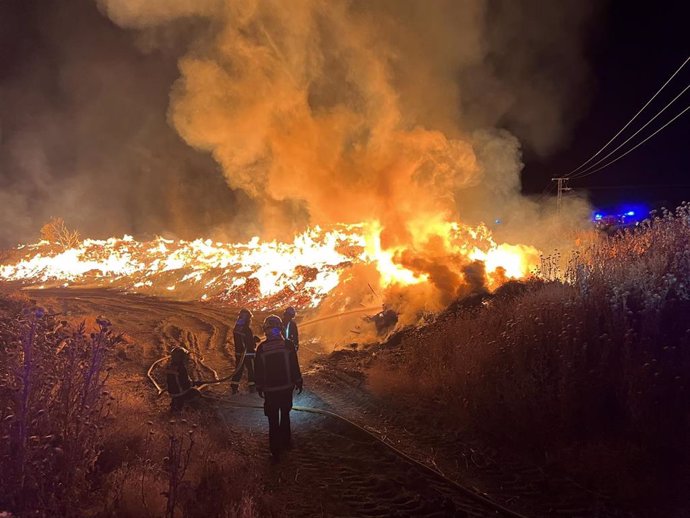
(561, 182)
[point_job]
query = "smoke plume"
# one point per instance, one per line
(344, 111)
(411, 114)
(84, 133)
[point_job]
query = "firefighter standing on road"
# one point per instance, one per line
(245, 342)
(277, 376)
(290, 330)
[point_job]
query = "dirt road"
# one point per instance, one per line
(334, 469)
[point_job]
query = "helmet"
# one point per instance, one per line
(244, 317)
(290, 312)
(273, 326)
(179, 355)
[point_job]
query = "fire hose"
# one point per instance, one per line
(216, 380)
(320, 411)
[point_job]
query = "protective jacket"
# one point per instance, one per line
(276, 366)
(244, 339)
(291, 333)
(178, 380)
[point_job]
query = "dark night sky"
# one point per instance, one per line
(75, 79)
(633, 49)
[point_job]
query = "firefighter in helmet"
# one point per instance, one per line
(245, 343)
(180, 386)
(290, 330)
(277, 376)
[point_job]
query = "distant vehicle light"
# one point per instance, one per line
(630, 213)
(498, 222)
(597, 217)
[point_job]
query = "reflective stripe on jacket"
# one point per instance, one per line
(276, 366)
(178, 380)
(244, 340)
(291, 333)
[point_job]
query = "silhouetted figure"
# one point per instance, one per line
(245, 343)
(180, 386)
(290, 330)
(277, 376)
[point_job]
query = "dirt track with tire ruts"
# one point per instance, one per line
(334, 469)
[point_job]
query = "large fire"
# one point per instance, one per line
(263, 273)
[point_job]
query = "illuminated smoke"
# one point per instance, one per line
(341, 111)
(332, 112)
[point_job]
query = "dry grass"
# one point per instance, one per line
(79, 442)
(53, 408)
(180, 471)
(599, 351)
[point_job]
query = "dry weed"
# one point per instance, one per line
(598, 349)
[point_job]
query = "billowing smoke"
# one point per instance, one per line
(84, 132)
(342, 111)
(403, 112)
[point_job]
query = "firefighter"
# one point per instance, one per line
(245, 343)
(277, 376)
(180, 386)
(290, 330)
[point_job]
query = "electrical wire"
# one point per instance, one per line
(595, 164)
(635, 147)
(630, 121)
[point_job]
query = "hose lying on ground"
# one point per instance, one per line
(239, 363)
(149, 374)
(407, 458)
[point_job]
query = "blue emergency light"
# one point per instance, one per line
(624, 215)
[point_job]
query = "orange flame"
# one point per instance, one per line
(260, 272)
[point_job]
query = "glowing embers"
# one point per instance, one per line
(265, 273)
(253, 271)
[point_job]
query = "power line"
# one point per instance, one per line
(630, 121)
(635, 147)
(584, 171)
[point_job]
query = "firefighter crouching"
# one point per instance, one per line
(245, 342)
(277, 375)
(290, 331)
(180, 386)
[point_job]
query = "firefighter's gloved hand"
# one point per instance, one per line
(261, 393)
(299, 386)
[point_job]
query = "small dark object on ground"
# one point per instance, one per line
(384, 320)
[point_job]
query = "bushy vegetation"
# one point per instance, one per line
(596, 351)
(53, 408)
(177, 471)
(76, 441)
